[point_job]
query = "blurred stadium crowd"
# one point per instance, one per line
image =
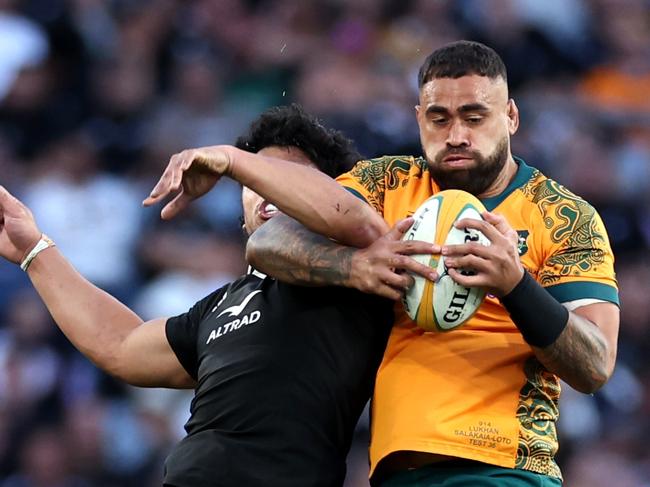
(96, 95)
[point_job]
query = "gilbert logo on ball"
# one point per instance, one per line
(444, 305)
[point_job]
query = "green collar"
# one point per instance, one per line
(524, 173)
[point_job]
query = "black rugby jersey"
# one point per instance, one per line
(283, 375)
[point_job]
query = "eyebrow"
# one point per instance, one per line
(470, 107)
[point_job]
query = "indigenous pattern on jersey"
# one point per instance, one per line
(478, 392)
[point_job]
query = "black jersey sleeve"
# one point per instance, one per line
(181, 331)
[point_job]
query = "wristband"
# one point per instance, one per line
(44, 243)
(537, 314)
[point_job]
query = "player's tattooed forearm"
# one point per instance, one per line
(311, 259)
(286, 250)
(578, 356)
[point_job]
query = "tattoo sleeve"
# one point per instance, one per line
(286, 250)
(579, 355)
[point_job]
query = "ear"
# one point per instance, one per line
(513, 116)
(419, 113)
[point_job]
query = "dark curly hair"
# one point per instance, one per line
(462, 58)
(291, 126)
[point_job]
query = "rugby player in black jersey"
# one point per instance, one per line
(281, 373)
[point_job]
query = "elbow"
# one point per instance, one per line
(362, 236)
(359, 227)
(371, 231)
(262, 244)
(126, 378)
(594, 380)
(130, 375)
(253, 252)
(113, 362)
(116, 369)
(587, 386)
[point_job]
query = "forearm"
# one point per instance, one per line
(95, 322)
(286, 250)
(579, 356)
(309, 196)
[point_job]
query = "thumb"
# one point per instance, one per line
(8, 204)
(13, 209)
(400, 228)
(4, 194)
(175, 206)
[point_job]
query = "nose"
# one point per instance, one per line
(458, 135)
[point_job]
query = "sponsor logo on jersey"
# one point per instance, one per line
(237, 309)
(234, 312)
(236, 324)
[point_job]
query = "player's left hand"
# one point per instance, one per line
(189, 175)
(384, 267)
(497, 267)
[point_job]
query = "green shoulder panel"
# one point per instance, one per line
(381, 174)
(575, 231)
(566, 215)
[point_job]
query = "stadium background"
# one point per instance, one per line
(96, 95)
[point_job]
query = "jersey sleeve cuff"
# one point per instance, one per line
(571, 291)
(356, 193)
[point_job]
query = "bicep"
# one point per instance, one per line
(148, 360)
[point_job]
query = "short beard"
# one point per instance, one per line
(475, 180)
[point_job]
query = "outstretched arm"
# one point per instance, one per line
(107, 332)
(578, 346)
(302, 192)
(288, 251)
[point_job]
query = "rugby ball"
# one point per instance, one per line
(443, 305)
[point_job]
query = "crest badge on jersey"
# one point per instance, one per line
(522, 244)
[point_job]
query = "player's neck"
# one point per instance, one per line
(502, 181)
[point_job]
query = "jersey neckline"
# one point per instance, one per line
(524, 173)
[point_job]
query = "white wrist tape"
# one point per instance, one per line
(44, 243)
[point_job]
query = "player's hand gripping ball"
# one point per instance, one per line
(444, 305)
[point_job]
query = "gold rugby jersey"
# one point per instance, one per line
(478, 392)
